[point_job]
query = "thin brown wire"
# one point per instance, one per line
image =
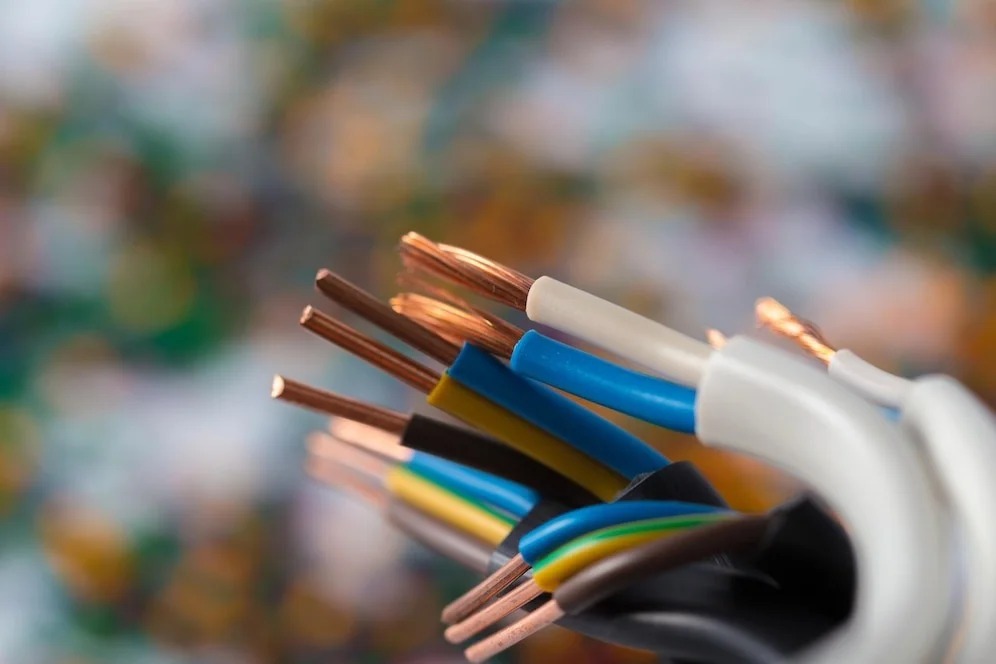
(456, 324)
(486, 590)
(362, 303)
(505, 606)
(465, 268)
(775, 316)
(371, 439)
(331, 403)
(387, 359)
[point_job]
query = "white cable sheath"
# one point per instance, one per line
(868, 380)
(959, 435)
(617, 329)
(764, 402)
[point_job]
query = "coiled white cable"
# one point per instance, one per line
(617, 330)
(764, 402)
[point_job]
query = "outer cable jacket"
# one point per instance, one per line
(464, 404)
(570, 369)
(507, 496)
(617, 330)
(488, 455)
(560, 530)
(612, 574)
(958, 434)
(761, 401)
(610, 445)
(437, 536)
(568, 560)
(447, 507)
(868, 380)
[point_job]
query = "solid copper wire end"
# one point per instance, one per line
(485, 591)
(362, 462)
(353, 298)
(776, 317)
(505, 606)
(715, 338)
(504, 639)
(381, 356)
(371, 439)
(465, 268)
(458, 324)
(336, 476)
(331, 403)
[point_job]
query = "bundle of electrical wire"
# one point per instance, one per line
(556, 489)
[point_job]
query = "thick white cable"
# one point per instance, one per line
(618, 330)
(867, 380)
(959, 435)
(764, 402)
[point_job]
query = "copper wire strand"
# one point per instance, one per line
(539, 619)
(324, 446)
(716, 338)
(412, 282)
(458, 324)
(776, 317)
(505, 606)
(485, 591)
(331, 403)
(465, 268)
(336, 476)
(371, 439)
(355, 299)
(381, 356)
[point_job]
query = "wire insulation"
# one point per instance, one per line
(506, 496)
(439, 537)
(603, 441)
(460, 402)
(590, 377)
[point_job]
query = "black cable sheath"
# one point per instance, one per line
(460, 445)
(439, 537)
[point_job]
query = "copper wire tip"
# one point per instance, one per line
(366, 464)
(376, 353)
(776, 317)
(504, 639)
(503, 607)
(715, 338)
(485, 591)
(465, 268)
(331, 403)
(459, 324)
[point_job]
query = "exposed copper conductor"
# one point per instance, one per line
(331, 403)
(362, 303)
(458, 324)
(485, 591)
(324, 446)
(545, 615)
(339, 477)
(465, 268)
(505, 606)
(371, 439)
(401, 367)
(715, 338)
(775, 316)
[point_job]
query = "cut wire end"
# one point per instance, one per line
(465, 268)
(331, 403)
(716, 338)
(776, 317)
(460, 324)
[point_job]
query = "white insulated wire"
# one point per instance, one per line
(867, 380)
(764, 402)
(958, 434)
(617, 330)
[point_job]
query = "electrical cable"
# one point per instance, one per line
(464, 404)
(502, 494)
(546, 538)
(566, 308)
(616, 572)
(873, 479)
(465, 515)
(603, 441)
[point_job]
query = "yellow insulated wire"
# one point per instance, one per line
(462, 403)
(551, 576)
(447, 507)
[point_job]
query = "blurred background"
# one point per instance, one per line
(173, 173)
